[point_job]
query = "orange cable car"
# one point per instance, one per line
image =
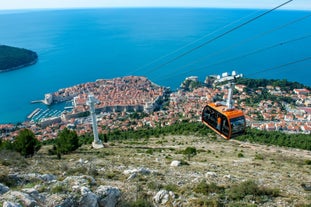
(223, 118)
(228, 123)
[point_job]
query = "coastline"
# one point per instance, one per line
(21, 66)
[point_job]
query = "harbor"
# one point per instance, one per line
(44, 112)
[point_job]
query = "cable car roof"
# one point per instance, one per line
(232, 113)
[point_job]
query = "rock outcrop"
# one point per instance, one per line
(72, 191)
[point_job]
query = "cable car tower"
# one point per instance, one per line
(222, 117)
(97, 144)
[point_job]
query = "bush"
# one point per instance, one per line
(240, 155)
(308, 162)
(259, 157)
(171, 187)
(137, 203)
(190, 152)
(238, 192)
(26, 143)
(204, 188)
(67, 141)
(207, 202)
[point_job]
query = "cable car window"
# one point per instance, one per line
(225, 127)
(209, 116)
(237, 125)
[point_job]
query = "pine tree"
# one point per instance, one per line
(67, 141)
(26, 143)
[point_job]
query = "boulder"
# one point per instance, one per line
(306, 186)
(83, 180)
(3, 189)
(89, 199)
(33, 193)
(211, 174)
(163, 197)
(48, 177)
(108, 196)
(132, 176)
(24, 198)
(142, 170)
(84, 190)
(10, 204)
(175, 163)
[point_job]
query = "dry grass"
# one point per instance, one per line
(228, 163)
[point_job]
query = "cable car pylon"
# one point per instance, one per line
(222, 117)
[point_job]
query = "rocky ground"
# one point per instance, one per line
(156, 172)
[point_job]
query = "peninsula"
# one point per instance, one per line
(12, 58)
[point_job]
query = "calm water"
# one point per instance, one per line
(76, 46)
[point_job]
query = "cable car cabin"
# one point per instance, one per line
(227, 123)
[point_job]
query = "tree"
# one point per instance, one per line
(190, 152)
(26, 143)
(67, 141)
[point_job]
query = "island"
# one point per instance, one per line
(12, 58)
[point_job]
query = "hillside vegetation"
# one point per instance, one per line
(13, 58)
(181, 165)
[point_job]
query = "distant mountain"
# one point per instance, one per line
(12, 58)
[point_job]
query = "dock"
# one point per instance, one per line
(33, 113)
(37, 101)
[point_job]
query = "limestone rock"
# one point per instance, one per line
(132, 176)
(3, 189)
(83, 180)
(142, 170)
(306, 186)
(48, 177)
(33, 193)
(175, 163)
(211, 174)
(163, 197)
(24, 198)
(108, 196)
(89, 199)
(84, 190)
(10, 204)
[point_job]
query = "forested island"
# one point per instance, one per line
(12, 58)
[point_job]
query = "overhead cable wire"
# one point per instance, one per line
(238, 44)
(244, 55)
(281, 66)
(191, 43)
(258, 51)
(219, 36)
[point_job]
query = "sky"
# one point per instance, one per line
(50, 4)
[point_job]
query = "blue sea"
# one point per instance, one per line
(76, 46)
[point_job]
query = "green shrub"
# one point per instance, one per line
(81, 170)
(171, 187)
(154, 185)
(240, 154)
(26, 143)
(137, 203)
(183, 162)
(190, 152)
(149, 151)
(207, 202)
(238, 192)
(204, 188)
(308, 162)
(259, 157)
(67, 141)
(57, 189)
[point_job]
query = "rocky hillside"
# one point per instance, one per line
(159, 172)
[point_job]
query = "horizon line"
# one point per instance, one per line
(146, 7)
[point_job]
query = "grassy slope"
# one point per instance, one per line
(232, 161)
